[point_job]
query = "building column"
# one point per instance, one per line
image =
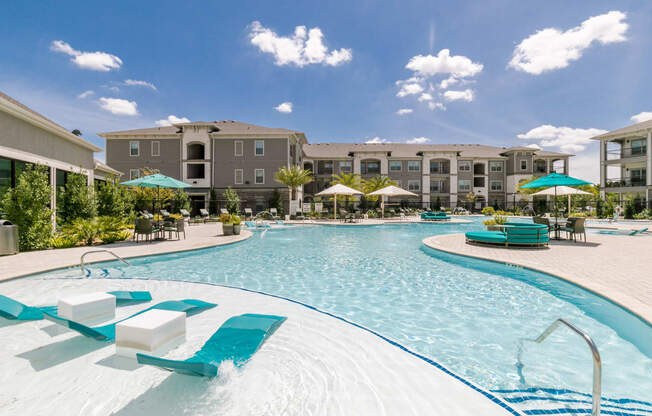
(603, 167)
(452, 182)
(425, 181)
(356, 165)
(648, 153)
(384, 166)
(53, 196)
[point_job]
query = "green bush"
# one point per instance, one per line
(489, 211)
(497, 220)
(629, 210)
(112, 237)
(232, 200)
(113, 199)
(89, 230)
(212, 202)
(27, 206)
(275, 202)
(76, 199)
(179, 200)
(63, 240)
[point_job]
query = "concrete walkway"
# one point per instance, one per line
(197, 236)
(615, 266)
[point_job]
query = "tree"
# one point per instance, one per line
(113, 199)
(275, 201)
(232, 200)
(27, 206)
(144, 198)
(374, 184)
(293, 177)
(352, 180)
(179, 200)
(212, 203)
(76, 199)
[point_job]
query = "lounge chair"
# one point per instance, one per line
(623, 232)
(435, 216)
(185, 213)
(165, 214)
(107, 332)
(515, 234)
(236, 340)
(299, 216)
(204, 214)
(224, 211)
(274, 213)
(248, 213)
(12, 309)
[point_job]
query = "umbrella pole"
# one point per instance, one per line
(556, 217)
(335, 206)
(382, 205)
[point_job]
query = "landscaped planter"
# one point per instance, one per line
(227, 229)
(236, 229)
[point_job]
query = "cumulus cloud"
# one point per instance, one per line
(404, 111)
(96, 61)
(436, 106)
(119, 106)
(285, 107)
(409, 89)
(444, 84)
(550, 48)
(135, 82)
(418, 140)
(377, 140)
(86, 94)
(466, 95)
(443, 63)
(641, 117)
(566, 138)
(172, 119)
(533, 146)
(425, 97)
(304, 47)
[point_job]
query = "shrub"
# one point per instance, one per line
(89, 230)
(225, 218)
(63, 241)
(27, 206)
(212, 202)
(232, 200)
(112, 237)
(645, 214)
(496, 220)
(275, 202)
(179, 200)
(488, 211)
(236, 220)
(629, 210)
(76, 199)
(113, 199)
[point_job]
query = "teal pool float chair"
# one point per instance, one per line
(435, 216)
(107, 332)
(623, 232)
(515, 234)
(12, 309)
(236, 340)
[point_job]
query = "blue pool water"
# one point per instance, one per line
(471, 316)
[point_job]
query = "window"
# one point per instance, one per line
(478, 182)
(134, 148)
(435, 167)
(435, 186)
(414, 165)
(260, 148)
(370, 167)
(156, 148)
(238, 147)
(464, 166)
(639, 147)
(478, 168)
(134, 174)
(325, 167)
(414, 186)
(540, 166)
(260, 176)
(196, 151)
(395, 165)
(345, 166)
(464, 185)
(523, 164)
(238, 176)
(5, 175)
(495, 166)
(496, 185)
(196, 171)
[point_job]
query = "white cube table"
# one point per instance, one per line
(153, 332)
(87, 308)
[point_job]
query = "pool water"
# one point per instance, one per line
(471, 316)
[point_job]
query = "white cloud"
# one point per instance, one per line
(550, 48)
(409, 89)
(466, 95)
(418, 140)
(377, 140)
(566, 138)
(96, 61)
(533, 146)
(404, 111)
(425, 97)
(448, 82)
(302, 48)
(119, 106)
(86, 94)
(285, 107)
(641, 117)
(113, 88)
(172, 119)
(436, 106)
(458, 66)
(135, 82)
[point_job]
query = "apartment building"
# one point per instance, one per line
(626, 161)
(211, 155)
(437, 172)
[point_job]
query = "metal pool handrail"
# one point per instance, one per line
(82, 265)
(597, 362)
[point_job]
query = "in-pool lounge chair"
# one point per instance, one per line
(515, 234)
(107, 332)
(434, 216)
(12, 309)
(236, 340)
(623, 232)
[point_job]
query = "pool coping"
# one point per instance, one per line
(429, 242)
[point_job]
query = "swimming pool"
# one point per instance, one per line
(471, 316)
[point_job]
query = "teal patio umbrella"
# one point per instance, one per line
(157, 181)
(555, 180)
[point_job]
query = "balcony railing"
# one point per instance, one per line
(626, 152)
(625, 182)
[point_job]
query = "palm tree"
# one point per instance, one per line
(376, 183)
(293, 177)
(352, 180)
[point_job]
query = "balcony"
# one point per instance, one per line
(625, 182)
(626, 152)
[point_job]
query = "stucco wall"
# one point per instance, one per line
(225, 162)
(168, 163)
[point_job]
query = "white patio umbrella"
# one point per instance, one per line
(563, 190)
(390, 190)
(336, 190)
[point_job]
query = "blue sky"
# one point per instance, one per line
(577, 68)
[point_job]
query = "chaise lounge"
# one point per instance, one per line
(435, 216)
(514, 234)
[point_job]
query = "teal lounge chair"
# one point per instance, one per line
(623, 232)
(12, 309)
(434, 216)
(107, 332)
(236, 340)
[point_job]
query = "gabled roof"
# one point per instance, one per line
(103, 167)
(223, 128)
(643, 127)
(23, 112)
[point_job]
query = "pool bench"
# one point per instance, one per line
(514, 234)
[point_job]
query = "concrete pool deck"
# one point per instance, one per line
(314, 364)
(617, 267)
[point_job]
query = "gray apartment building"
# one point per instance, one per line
(210, 155)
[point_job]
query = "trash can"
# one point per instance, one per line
(8, 238)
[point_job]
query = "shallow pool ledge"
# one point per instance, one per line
(607, 265)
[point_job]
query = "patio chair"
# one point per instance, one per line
(224, 211)
(573, 227)
(299, 216)
(177, 226)
(165, 213)
(14, 310)
(544, 221)
(248, 213)
(185, 214)
(107, 332)
(204, 214)
(145, 227)
(237, 340)
(274, 213)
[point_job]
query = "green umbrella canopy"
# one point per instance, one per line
(156, 181)
(555, 179)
